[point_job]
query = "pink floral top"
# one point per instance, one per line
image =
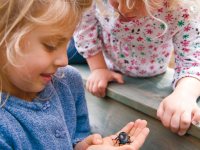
(136, 48)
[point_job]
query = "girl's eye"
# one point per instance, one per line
(50, 47)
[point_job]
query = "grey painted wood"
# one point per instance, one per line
(108, 116)
(142, 94)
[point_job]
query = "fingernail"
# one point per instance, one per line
(181, 133)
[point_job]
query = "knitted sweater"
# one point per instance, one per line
(55, 120)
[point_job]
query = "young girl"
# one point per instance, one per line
(42, 102)
(136, 38)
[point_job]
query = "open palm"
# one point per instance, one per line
(136, 130)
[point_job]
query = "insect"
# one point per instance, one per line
(123, 138)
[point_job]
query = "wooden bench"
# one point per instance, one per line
(137, 98)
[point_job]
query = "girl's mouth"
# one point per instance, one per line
(46, 77)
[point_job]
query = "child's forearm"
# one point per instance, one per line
(97, 62)
(188, 85)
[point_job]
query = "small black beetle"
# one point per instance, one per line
(123, 138)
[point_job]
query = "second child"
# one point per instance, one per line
(136, 37)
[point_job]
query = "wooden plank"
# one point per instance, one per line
(142, 94)
(107, 116)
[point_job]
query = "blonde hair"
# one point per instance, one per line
(18, 17)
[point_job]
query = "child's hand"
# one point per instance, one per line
(94, 139)
(98, 80)
(177, 111)
(137, 132)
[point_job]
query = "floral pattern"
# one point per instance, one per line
(141, 47)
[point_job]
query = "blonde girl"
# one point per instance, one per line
(42, 101)
(136, 37)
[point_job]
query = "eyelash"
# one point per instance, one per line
(50, 47)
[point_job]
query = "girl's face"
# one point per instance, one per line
(43, 53)
(129, 9)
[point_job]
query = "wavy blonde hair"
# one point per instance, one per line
(18, 17)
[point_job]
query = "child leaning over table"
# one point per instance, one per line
(136, 37)
(42, 101)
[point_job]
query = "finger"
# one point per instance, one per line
(175, 122)
(138, 127)
(90, 85)
(95, 89)
(160, 111)
(118, 77)
(139, 140)
(166, 118)
(135, 126)
(185, 122)
(87, 86)
(102, 87)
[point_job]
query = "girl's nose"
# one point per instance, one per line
(61, 60)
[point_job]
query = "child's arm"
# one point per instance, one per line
(100, 75)
(89, 43)
(179, 109)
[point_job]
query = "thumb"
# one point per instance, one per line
(94, 139)
(118, 77)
